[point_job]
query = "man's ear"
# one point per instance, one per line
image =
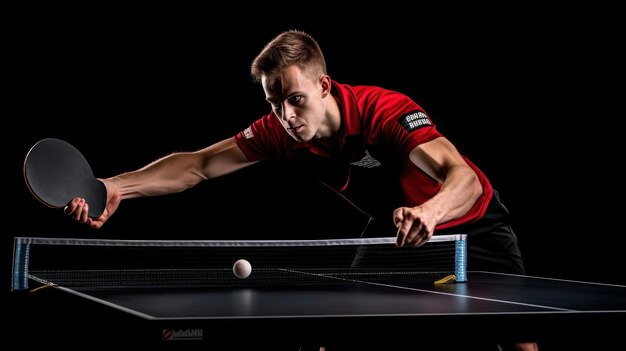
(325, 83)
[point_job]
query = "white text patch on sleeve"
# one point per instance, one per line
(414, 120)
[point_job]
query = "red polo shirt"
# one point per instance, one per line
(380, 127)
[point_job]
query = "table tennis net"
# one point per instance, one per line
(114, 263)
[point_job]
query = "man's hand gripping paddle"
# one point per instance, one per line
(56, 172)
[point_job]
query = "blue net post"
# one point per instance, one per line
(460, 258)
(20, 265)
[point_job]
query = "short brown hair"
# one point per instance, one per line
(289, 48)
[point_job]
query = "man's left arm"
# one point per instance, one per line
(460, 189)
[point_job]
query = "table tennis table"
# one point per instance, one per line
(488, 306)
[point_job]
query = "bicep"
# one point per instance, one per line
(436, 158)
(222, 158)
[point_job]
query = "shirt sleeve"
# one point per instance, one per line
(399, 122)
(264, 139)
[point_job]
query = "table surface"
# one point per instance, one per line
(497, 304)
(483, 293)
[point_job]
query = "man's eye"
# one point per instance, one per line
(296, 99)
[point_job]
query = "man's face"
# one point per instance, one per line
(296, 100)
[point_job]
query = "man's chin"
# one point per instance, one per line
(299, 139)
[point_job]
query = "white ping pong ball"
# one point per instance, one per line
(242, 269)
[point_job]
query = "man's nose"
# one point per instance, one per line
(288, 112)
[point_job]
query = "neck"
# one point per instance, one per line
(333, 116)
(330, 142)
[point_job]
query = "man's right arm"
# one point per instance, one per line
(180, 171)
(170, 174)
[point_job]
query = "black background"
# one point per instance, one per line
(528, 98)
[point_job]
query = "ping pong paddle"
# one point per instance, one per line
(56, 172)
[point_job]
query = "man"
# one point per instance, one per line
(330, 129)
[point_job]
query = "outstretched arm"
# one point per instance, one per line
(170, 174)
(459, 191)
(180, 171)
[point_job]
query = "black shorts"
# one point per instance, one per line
(491, 243)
